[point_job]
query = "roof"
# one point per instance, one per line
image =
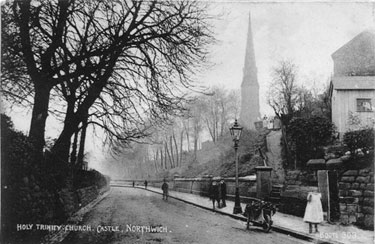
(365, 37)
(353, 83)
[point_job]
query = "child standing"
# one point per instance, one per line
(314, 210)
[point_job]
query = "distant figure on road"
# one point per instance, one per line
(133, 183)
(219, 194)
(164, 187)
(145, 184)
(223, 189)
(314, 211)
(214, 194)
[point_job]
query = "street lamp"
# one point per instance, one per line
(235, 132)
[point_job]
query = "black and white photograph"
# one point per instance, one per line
(187, 121)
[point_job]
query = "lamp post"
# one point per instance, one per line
(235, 132)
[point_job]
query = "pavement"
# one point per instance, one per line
(283, 223)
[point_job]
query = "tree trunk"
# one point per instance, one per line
(167, 152)
(217, 128)
(187, 136)
(38, 119)
(62, 146)
(181, 142)
(161, 159)
(176, 147)
(195, 147)
(156, 160)
(210, 130)
(81, 152)
(73, 155)
(172, 156)
(286, 146)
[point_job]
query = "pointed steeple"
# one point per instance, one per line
(249, 69)
(249, 88)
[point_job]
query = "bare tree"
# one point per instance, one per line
(195, 118)
(218, 108)
(233, 103)
(289, 100)
(283, 90)
(118, 61)
(282, 96)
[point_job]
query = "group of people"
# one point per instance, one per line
(218, 193)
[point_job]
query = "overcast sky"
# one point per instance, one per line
(306, 33)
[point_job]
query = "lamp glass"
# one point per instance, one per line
(236, 131)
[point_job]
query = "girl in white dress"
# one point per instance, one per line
(314, 210)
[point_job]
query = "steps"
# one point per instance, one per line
(275, 194)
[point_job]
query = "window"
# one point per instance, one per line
(364, 105)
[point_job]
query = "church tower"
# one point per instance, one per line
(249, 112)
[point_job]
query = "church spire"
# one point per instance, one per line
(249, 88)
(250, 69)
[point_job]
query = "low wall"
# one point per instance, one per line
(356, 189)
(301, 178)
(71, 201)
(32, 202)
(199, 186)
(294, 199)
(87, 194)
(298, 183)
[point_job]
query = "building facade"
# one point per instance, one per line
(352, 86)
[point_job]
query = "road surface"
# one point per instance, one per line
(131, 215)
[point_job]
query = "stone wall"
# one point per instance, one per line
(294, 199)
(29, 200)
(72, 200)
(301, 178)
(199, 186)
(87, 194)
(297, 185)
(356, 190)
(68, 201)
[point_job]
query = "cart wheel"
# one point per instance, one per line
(267, 223)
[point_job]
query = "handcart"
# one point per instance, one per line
(260, 213)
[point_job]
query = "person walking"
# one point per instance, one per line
(146, 184)
(214, 193)
(314, 210)
(165, 187)
(219, 194)
(223, 189)
(133, 183)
